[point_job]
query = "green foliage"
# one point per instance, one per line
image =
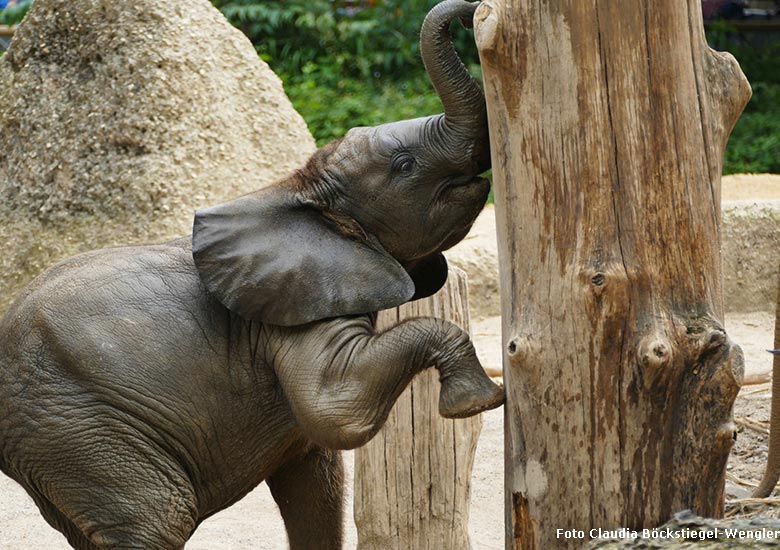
(345, 63)
(368, 38)
(754, 145)
(348, 102)
(14, 14)
(758, 53)
(330, 112)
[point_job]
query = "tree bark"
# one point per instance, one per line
(608, 121)
(412, 480)
(772, 472)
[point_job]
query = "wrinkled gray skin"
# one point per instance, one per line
(143, 389)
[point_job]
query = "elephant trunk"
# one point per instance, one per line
(465, 113)
(772, 473)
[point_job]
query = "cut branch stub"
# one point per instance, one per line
(608, 124)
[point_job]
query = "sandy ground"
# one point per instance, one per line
(254, 523)
(751, 187)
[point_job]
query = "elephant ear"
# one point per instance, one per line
(428, 275)
(275, 258)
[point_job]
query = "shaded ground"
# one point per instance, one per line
(254, 523)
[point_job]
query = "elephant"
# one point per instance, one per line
(145, 388)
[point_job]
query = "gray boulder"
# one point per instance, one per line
(751, 254)
(119, 119)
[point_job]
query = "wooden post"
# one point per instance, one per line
(772, 472)
(412, 481)
(608, 121)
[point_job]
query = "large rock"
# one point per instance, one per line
(119, 119)
(751, 241)
(750, 249)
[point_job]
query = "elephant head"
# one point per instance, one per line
(362, 226)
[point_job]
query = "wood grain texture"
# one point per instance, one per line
(412, 481)
(772, 472)
(608, 122)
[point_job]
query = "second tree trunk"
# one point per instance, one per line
(608, 122)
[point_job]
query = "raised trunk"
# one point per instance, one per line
(608, 124)
(772, 474)
(465, 116)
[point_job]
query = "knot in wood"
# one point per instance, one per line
(598, 279)
(714, 339)
(486, 22)
(605, 281)
(518, 349)
(706, 338)
(725, 436)
(710, 342)
(654, 355)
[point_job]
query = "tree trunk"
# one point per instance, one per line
(412, 481)
(772, 472)
(608, 121)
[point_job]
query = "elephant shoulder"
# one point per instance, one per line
(107, 284)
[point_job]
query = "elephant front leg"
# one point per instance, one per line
(342, 378)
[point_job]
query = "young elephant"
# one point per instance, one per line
(143, 389)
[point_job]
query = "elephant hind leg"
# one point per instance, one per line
(118, 492)
(61, 523)
(147, 517)
(310, 494)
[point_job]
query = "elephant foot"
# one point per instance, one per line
(463, 396)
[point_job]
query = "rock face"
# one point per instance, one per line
(119, 119)
(751, 241)
(751, 254)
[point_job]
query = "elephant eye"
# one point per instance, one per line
(403, 164)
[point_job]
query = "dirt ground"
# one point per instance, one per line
(254, 523)
(751, 187)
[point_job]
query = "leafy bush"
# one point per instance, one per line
(345, 63)
(330, 112)
(758, 52)
(351, 38)
(754, 145)
(14, 14)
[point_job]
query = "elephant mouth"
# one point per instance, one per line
(461, 200)
(459, 182)
(463, 180)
